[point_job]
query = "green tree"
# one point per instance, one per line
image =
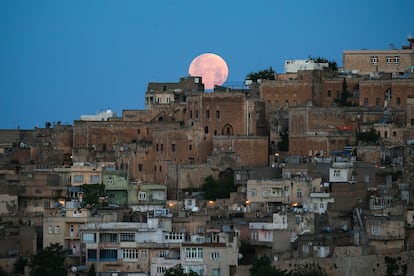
(221, 188)
(91, 271)
(267, 74)
(308, 269)
(19, 265)
(263, 267)
(369, 137)
(331, 63)
(178, 271)
(92, 192)
(49, 262)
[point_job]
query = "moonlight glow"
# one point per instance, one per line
(211, 67)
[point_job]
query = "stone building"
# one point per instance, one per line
(394, 61)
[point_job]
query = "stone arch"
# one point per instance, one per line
(227, 130)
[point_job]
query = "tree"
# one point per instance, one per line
(263, 267)
(178, 271)
(92, 192)
(331, 63)
(308, 269)
(214, 189)
(19, 265)
(91, 271)
(267, 74)
(49, 262)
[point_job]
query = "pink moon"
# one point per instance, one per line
(211, 67)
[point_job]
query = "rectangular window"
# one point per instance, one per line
(92, 255)
(396, 59)
(377, 101)
(173, 147)
(277, 192)
(265, 193)
(144, 254)
(78, 179)
(89, 237)
(376, 230)
(374, 60)
(299, 193)
(215, 256)
(94, 179)
(321, 205)
(366, 101)
(193, 253)
(398, 100)
(389, 60)
(216, 272)
(329, 93)
(142, 195)
(254, 192)
(218, 114)
(162, 147)
(207, 114)
(108, 237)
(108, 254)
(50, 229)
(337, 173)
(129, 254)
(140, 167)
(127, 237)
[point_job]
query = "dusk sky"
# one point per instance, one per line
(62, 59)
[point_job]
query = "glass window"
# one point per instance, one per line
(127, 237)
(92, 255)
(374, 60)
(94, 179)
(129, 254)
(108, 255)
(396, 59)
(78, 179)
(108, 237)
(144, 254)
(89, 237)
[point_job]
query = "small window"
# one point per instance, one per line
(374, 60)
(206, 130)
(377, 101)
(207, 114)
(329, 93)
(396, 59)
(389, 60)
(140, 167)
(218, 114)
(190, 147)
(398, 100)
(78, 179)
(366, 101)
(173, 147)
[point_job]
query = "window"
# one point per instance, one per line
(277, 192)
(255, 235)
(329, 93)
(144, 254)
(162, 147)
(142, 195)
(140, 167)
(337, 173)
(190, 147)
(215, 256)
(276, 104)
(366, 101)
(196, 114)
(94, 179)
(366, 178)
(398, 100)
(50, 229)
(377, 101)
(92, 255)
(265, 193)
(299, 193)
(161, 269)
(254, 192)
(394, 133)
(218, 114)
(193, 253)
(396, 59)
(127, 237)
(216, 272)
(374, 60)
(376, 230)
(206, 130)
(89, 237)
(173, 147)
(78, 179)
(207, 114)
(129, 254)
(191, 114)
(57, 229)
(321, 205)
(161, 254)
(108, 255)
(389, 60)
(108, 237)
(110, 180)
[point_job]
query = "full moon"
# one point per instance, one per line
(211, 67)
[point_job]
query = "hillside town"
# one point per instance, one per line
(311, 166)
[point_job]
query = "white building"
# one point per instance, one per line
(101, 116)
(293, 66)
